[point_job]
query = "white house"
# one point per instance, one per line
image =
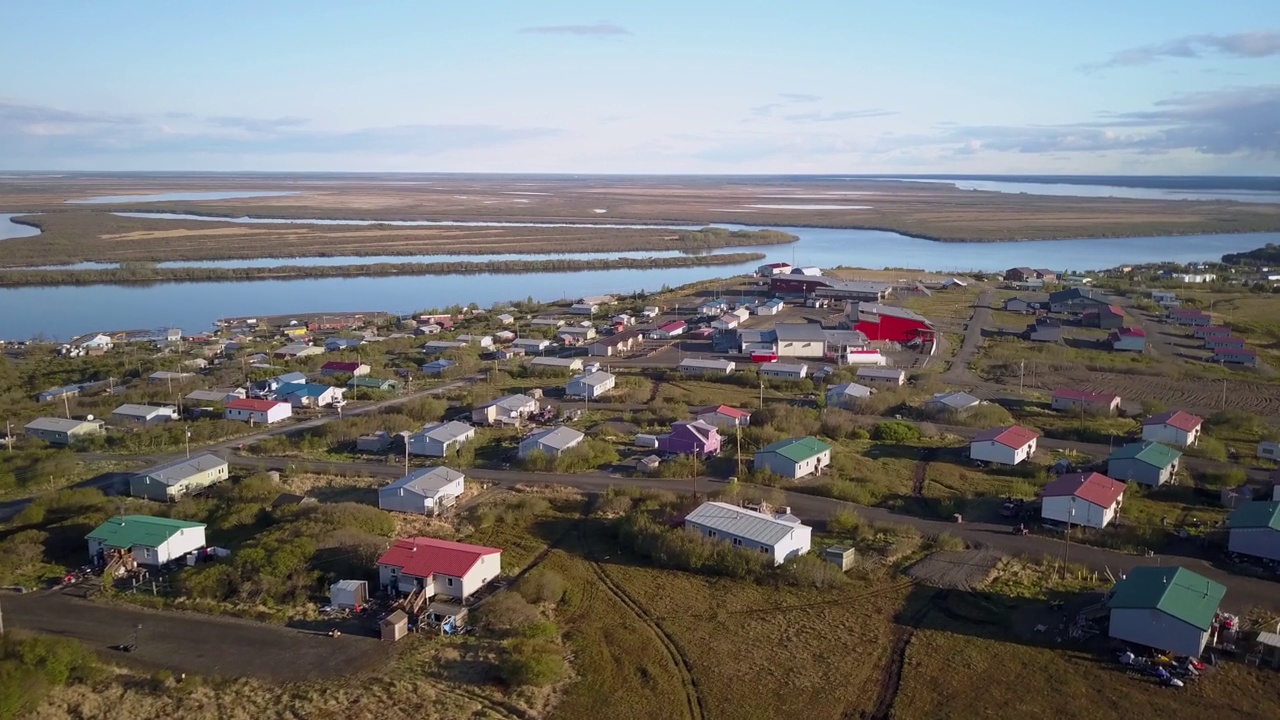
(951, 403)
(130, 414)
(173, 480)
(724, 417)
(590, 385)
(710, 366)
(1177, 428)
(258, 412)
(583, 309)
(772, 307)
(889, 376)
(781, 537)
(440, 439)
(438, 567)
(531, 345)
(481, 341)
(63, 431)
(1088, 499)
(846, 395)
(557, 363)
(1269, 450)
(310, 395)
(1003, 445)
(508, 409)
(152, 541)
(552, 441)
(793, 458)
(426, 491)
(784, 371)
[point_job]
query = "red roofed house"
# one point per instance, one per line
(1089, 499)
(1097, 403)
(1128, 340)
(338, 367)
(725, 417)
(1209, 331)
(1224, 342)
(257, 412)
(438, 567)
(1004, 445)
(1177, 428)
(1107, 317)
(1190, 316)
(1236, 356)
(671, 329)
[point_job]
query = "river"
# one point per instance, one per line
(10, 229)
(64, 312)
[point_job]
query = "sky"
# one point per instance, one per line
(1137, 87)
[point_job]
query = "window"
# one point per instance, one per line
(736, 541)
(711, 533)
(449, 582)
(764, 549)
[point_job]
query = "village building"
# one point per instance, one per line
(781, 537)
(1247, 357)
(1086, 499)
(426, 491)
(771, 307)
(1224, 342)
(556, 363)
(778, 268)
(882, 375)
(1077, 301)
(145, 540)
(1165, 298)
(671, 329)
(295, 351)
(619, 343)
(546, 322)
(1269, 450)
(847, 395)
(793, 458)
(174, 480)
(58, 393)
(220, 396)
(710, 366)
(437, 368)
(1128, 339)
(1107, 317)
(1004, 445)
(805, 287)
(170, 376)
(1211, 331)
(374, 442)
(1146, 463)
(480, 341)
(311, 395)
(349, 594)
(1169, 609)
(887, 323)
(783, 371)
(1044, 329)
(436, 347)
(61, 431)
(508, 410)
(1255, 529)
(130, 414)
(258, 412)
(337, 344)
(340, 367)
(1176, 428)
(440, 439)
(372, 383)
(1022, 274)
(725, 417)
(1068, 400)
(954, 403)
(1194, 317)
(435, 567)
(551, 441)
(1026, 303)
(691, 437)
(591, 385)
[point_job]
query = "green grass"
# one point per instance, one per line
(999, 359)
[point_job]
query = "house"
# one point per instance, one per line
(130, 414)
(713, 307)
(435, 347)
(372, 383)
(169, 376)
(504, 336)
(220, 396)
(956, 403)
(1247, 357)
(1147, 463)
(425, 491)
(531, 345)
(583, 309)
(576, 334)
(349, 594)
(173, 480)
(1088, 499)
(618, 343)
(1044, 329)
(375, 442)
(506, 319)
(1107, 317)
(1066, 399)
(480, 341)
(1026, 304)
(151, 541)
(195, 364)
(438, 567)
(1224, 342)
(784, 371)
(394, 626)
(60, 431)
(1167, 608)
(1194, 317)
(98, 342)
(310, 395)
(887, 323)
(510, 409)
(590, 385)
(437, 367)
(953, 282)
(337, 344)
(440, 439)
(429, 329)
(772, 269)
(556, 363)
(807, 271)
(57, 393)
(1020, 274)
(1205, 332)
(1196, 278)
(1177, 428)
(724, 417)
(295, 351)
(781, 537)
(1269, 450)
(258, 412)
(443, 320)
(793, 458)
(888, 376)
(691, 437)
(668, 330)
(1165, 298)
(699, 366)
(1128, 339)
(726, 322)
(772, 307)
(847, 395)
(1077, 301)
(339, 367)
(546, 322)
(802, 340)
(1004, 445)
(650, 312)
(1255, 529)
(552, 441)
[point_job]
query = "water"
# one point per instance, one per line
(10, 229)
(165, 197)
(63, 312)
(1091, 190)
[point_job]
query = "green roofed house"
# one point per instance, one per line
(1167, 608)
(1255, 529)
(372, 383)
(150, 540)
(793, 458)
(1146, 462)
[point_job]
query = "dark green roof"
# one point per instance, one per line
(1151, 453)
(130, 530)
(1255, 515)
(1175, 591)
(797, 449)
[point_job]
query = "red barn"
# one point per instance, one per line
(894, 324)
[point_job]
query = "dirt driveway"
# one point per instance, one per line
(191, 643)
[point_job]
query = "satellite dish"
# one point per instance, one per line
(88, 417)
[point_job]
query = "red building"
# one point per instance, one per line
(894, 324)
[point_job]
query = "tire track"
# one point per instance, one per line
(501, 709)
(891, 675)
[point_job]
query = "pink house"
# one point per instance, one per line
(690, 437)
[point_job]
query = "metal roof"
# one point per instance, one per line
(800, 332)
(560, 438)
(797, 449)
(740, 522)
(1255, 515)
(709, 363)
(1176, 591)
(145, 411)
(126, 531)
(849, 390)
(1179, 419)
(512, 402)
(427, 482)
(59, 424)
(1014, 436)
(1151, 453)
(172, 473)
(881, 372)
(445, 432)
(956, 400)
(891, 311)
(592, 379)
(1091, 487)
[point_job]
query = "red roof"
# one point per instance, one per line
(1188, 312)
(1091, 487)
(341, 366)
(778, 265)
(1250, 352)
(423, 557)
(1184, 421)
(1132, 332)
(1014, 436)
(727, 411)
(254, 405)
(673, 325)
(1085, 396)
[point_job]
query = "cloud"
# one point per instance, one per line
(839, 115)
(788, 99)
(799, 97)
(1261, 43)
(765, 110)
(599, 29)
(259, 125)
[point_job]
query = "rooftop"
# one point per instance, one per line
(800, 332)
(126, 531)
(1255, 514)
(1151, 453)
(732, 412)
(423, 557)
(740, 522)
(1085, 396)
(1014, 436)
(1091, 487)
(144, 410)
(890, 311)
(1176, 591)
(596, 378)
(1183, 421)
(560, 437)
(957, 400)
(58, 424)
(253, 405)
(172, 473)
(426, 481)
(797, 449)
(446, 432)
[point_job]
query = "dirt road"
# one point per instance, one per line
(959, 372)
(192, 643)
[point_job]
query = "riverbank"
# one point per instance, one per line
(145, 273)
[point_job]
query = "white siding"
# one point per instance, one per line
(993, 452)
(796, 543)
(1086, 513)
(1169, 435)
(485, 571)
(779, 465)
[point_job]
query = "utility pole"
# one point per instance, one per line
(66, 406)
(761, 394)
(187, 436)
(8, 441)
(1224, 393)
(1066, 547)
(406, 454)
(1022, 370)
(738, 442)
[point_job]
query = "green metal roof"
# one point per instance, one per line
(797, 449)
(1151, 453)
(1175, 591)
(130, 530)
(370, 382)
(1255, 515)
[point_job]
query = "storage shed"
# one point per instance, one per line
(349, 594)
(394, 626)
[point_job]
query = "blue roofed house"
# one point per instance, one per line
(437, 367)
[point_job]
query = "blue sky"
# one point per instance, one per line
(982, 86)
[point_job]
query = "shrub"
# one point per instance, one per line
(507, 613)
(947, 541)
(541, 586)
(811, 571)
(843, 522)
(896, 432)
(531, 661)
